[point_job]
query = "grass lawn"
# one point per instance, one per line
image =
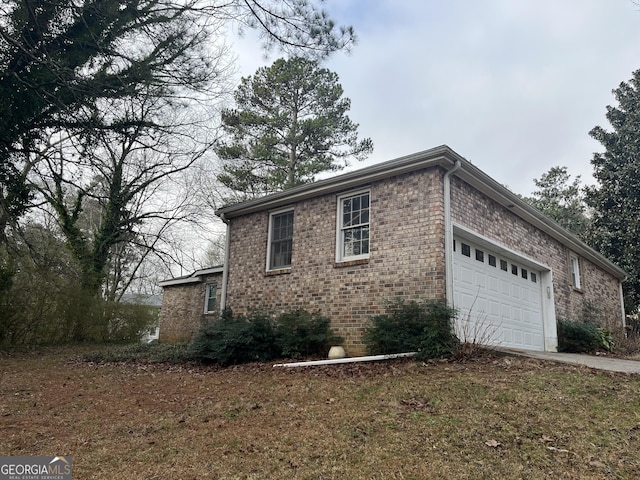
(495, 417)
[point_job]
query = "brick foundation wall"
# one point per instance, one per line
(182, 309)
(406, 257)
(479, 213)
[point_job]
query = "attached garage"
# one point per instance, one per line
(498, 295)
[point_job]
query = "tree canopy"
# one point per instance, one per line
(615, 200)
(561, 199)
(290, 124)
(60, 58)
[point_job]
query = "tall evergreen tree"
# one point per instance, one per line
(615, 199)
(290, 124)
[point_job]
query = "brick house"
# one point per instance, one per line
(425, 226)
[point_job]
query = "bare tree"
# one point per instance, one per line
(59, 61)
(127, 177)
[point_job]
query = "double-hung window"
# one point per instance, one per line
(353, 226)
(280, 240)
(210, 297)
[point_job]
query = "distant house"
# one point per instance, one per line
(425, 226)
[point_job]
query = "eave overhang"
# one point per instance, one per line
(195, 277)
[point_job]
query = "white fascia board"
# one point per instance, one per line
(179, 281)
(195, 277)
(208, 271)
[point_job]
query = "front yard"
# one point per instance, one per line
(496, 417)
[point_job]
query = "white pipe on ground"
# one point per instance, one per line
(370, 358)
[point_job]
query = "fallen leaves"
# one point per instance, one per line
(396, 420)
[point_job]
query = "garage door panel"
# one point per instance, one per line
(481, 280)
(466, 276)
(515, 292)
(504, 309)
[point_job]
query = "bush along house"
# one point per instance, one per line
(425, 226)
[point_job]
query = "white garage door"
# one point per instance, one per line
(499, 300)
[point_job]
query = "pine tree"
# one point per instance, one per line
(290, 124)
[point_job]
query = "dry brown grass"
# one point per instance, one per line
(497, 417)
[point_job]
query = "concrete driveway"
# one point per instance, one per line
(601, 363)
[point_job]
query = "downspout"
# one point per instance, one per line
(624, 314)
(448, 235)
(225, 267)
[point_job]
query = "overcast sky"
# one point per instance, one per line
(514, 86)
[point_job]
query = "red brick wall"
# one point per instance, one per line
(406, 257)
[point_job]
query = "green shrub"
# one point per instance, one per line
(582, 337)
(128, 322)
(304, 334)
(606, 339)
(233, 340)
(422, 327)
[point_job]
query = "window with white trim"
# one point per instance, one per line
(575, 271)
(210, 297)
(353, 226)
(280, 240)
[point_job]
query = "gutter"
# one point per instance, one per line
(225, 267)
(438, 156)
(448, 235)
(370, 358)
(195, 277)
